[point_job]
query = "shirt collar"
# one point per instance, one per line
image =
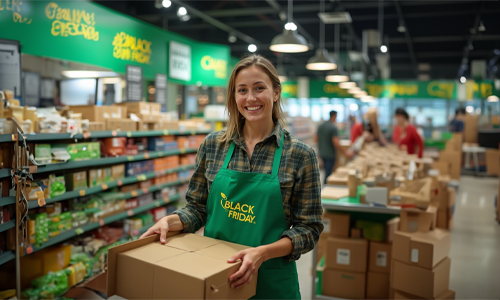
(277, 132)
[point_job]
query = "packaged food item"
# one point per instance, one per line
(82, 151)
(43, 154)
(76, 181)
(57, 185)
(117, 172)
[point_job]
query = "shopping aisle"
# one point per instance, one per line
(475, 267)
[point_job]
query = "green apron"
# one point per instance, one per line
(247, 208)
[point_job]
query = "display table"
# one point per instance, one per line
(352, 206)
(473, 150)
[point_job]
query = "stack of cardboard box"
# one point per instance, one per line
(420, 265)
(450, 159)
(470, 128)
(335, 225)
(446, 196)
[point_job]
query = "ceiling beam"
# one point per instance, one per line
(413, 58)
(194, 12)
(468, 47)
(439, 54)
(441, 39)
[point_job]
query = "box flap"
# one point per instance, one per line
(191, 242)
(153, 252)
(195, 265)
(97, 283)
(431, 237)
(222, 251)
(113, 255)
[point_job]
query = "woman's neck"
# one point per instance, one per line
(257, 131)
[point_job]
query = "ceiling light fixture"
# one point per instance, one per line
(360, 94)
(185, 18)
(321, 61)
(336, 76)
(347, 85)
(481, 27)
(231, 38)
(182, 11)
(354, 90)
(166, 3)
(383, 49)
(463, 79)
(367, 99)
(492, 98)
(290, 26)
(289, 41)
(401, 28)
(252, 48)
(469, 109)
(158, 4)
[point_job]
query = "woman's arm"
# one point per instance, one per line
(194, 215)
(419, 142)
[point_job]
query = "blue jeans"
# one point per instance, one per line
(328, 164)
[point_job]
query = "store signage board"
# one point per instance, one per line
(86, 32)
(322, 89)
(436, 89)
(134, 83)
(180, 61)
(161, 89)
(481, 89)
(289, 89)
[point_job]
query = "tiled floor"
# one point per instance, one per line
(475, 249)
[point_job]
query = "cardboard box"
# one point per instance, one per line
(470, 130)
(334, 193)
(390, 228)
(454, 158)
(347, 254)
(356, 233)
(442, 166)
(419, 281)
(97, 126)
(377, 286)
(413, 220)
(379, 258)
(101, 113)
(446, 295)
(336, 225)
(189, 266)
(345, 285)
(493, 161)
(443, 217)
(415, 192)
(121, 124)
(424, 250)
(76, 181)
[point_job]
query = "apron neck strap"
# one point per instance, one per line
(228, 156)
(277, 155)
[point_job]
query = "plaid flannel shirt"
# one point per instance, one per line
(298, 176)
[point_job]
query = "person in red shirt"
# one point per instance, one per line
(356, 129)
(405, 135)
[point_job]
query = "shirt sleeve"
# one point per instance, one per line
(335, 132)
(305, 208)
(418, 140)
(194, 214)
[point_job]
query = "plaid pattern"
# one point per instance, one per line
(298, 175)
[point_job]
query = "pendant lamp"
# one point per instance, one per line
(289, 41)
(322, 61)
(337, 75)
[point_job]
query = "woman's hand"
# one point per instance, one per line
(252, 259)
(163, 226)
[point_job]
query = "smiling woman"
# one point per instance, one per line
(255, 184)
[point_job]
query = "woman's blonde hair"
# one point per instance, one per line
(236, 120)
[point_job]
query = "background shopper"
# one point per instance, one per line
(405, 135)
(457, 124)
(255, 184)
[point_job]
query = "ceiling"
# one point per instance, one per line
(438, 33)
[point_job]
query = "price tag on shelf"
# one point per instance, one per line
(130, 158)
(134, 193)
(130, 212)
(113, 133)
(146, 155)
(157, 204)
(29, 250)
(82, 192)
(141, 177)
(160, 153)
(104, 187)
(129, 134)
(166, 200)
(101, 222)
(136, 232)
(165, 132)
(183, 151)
(120, 183)
(87, 135)
(145, 190)
(79, 231)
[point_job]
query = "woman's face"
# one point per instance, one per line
(255, 95)
(400, 120)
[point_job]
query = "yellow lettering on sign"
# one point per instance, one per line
(14, 6)
(440, 89)
(127, 47)
(219, 66)
(290, 89)
(69, 22)
(486, 90)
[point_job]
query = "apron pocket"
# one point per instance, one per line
(277, 284)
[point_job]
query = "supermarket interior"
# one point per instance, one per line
(264, 149)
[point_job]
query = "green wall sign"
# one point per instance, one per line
(321, 89)
(412, 89)
(289, 89)
(86, 32)
(481, 89)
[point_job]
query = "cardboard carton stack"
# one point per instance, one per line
(450, 159)
(335, 225)
(420, 265)
(471, 128)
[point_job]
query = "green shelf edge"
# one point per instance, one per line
(110, 160)
(151, 189)
(4, 173)
(110, 185)
(7, 256)
(6, 138)
(91, 226)
(39, 137)
(7, 200)
(7, 225)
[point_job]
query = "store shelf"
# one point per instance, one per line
(139, 232)
(116, 217)
(151, 189)
(358, 207)
(7, 200)
(4, 173)
(7, 256)
(5, 138)
(109, 185)
(38, 137)
(7, 225)
(110, 160)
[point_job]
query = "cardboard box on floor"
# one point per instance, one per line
(379, 257)
(414, 219)
(344, 284)
(454, 158)
(188, 266)
(493, 161)
(346, 254)
(336, 225)
(446, 295)
(424, 250)
(377, 285)
(443, 167)
(445, 219)
(421, 282)
(455, 143)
